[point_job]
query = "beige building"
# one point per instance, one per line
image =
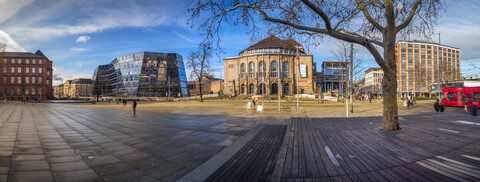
(210, 85)
(58, 91)
(373, 80)
(77, 88)
(422, 64)
(243, 74)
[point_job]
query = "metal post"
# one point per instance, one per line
(298, 72)
(279, 79)
(351, 77)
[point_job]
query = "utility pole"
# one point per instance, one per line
(351, 76)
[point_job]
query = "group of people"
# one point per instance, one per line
(473, 110)
(438, 106)
(410, 102)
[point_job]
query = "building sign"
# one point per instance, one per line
(303, 71)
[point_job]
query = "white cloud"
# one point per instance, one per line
(12, 46)
(60, 75)
(11, 8)
(78, 49)
(83, 39)
(183, 37)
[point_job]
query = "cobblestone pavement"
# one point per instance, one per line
(66, 142)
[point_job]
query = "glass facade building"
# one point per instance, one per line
(142, 74)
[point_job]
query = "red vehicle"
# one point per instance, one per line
(456, 96)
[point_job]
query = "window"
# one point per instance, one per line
(12, 69)
(27, 91)
(27, 61)
(48, 73)
(48, 82)
(19, 80)
(251, 69)
(476, 96)
(12, 80)
(34, 61)
(40, 91)
(27, 80)
(273, 69)
(13, 61)
(285, 69)
(33, 81)
(4, 70)
(40, 80)
(19, 70)
(451, 96)
(19, 61)
(33, 69)
(40, 70)
(4, 61)
(19, 91)
(40, 61)
(27, 69)
(4, 80)
(242, 69)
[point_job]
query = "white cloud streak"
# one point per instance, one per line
(83, 39)
(78, 49)
(11, 44)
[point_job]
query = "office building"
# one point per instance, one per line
(373, 81)
(142, 74)
(421, 64)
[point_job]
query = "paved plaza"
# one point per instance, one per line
(66, 142)
(162, 142)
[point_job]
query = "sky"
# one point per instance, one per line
(79, 35)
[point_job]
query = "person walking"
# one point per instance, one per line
(436, 106)
(442, 107)
(134, 106)
(408, 103)
(465, 103)
(474, 110)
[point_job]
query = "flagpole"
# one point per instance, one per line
(298, 71)
(263, 79)
(279, 79)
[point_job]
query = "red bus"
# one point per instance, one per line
(455, 96)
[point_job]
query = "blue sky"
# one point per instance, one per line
(79, 35)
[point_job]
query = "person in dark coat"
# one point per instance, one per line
(474, 110)
(442, 107)
(134, 106)
(436, 106)
(408, 103)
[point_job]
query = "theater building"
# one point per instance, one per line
(24, 74)
(244, 74)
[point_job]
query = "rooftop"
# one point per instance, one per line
(274, 42)
(426, 42)
(37, 54)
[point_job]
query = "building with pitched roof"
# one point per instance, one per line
(246, 74)
(77, 88)
(25, 75)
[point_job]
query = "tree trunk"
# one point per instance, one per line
(200, 87)
(390, 107)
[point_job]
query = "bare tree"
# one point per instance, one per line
(342, 53)
(372, 24)
(199, 62)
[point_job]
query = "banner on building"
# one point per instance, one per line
(303, 70)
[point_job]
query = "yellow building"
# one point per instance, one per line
(58, 91)
(243, 74)
(422, 64)
(77, 88)
(210, 85)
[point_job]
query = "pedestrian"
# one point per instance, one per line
(442, 107)
(253, 103)
(370, 99)
(408, 103)
(436, 106)
(413, 101)
(134, 106)
(465, 103)
(474, 110)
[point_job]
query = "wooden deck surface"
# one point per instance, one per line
(429, 147)
(256, 160)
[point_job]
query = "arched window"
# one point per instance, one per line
(261, 89)
(242, 70)
(260, 69)
(273, 69)
(251, 89)
(243, 89)
(251, 69)
(274, 89)
(285, 69)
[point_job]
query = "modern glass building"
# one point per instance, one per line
(142, 74)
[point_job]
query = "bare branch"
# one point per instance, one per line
(410, 16)
(369, 17)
